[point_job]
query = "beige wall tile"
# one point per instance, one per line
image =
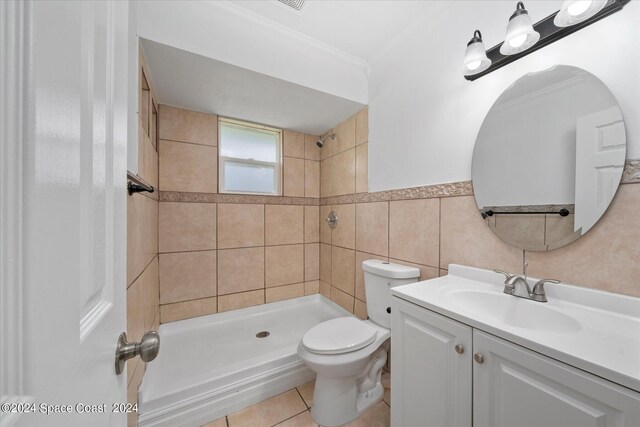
(187, 309)
(343, 299)
(311, 150)
(414, 231)
(312, 288)
(465, 238)
(293, 144)
(443, 272)
(187, 275)
(311, 224)
(240, 300)
(426, 272)
(327, 150)
(343, 173)
(135, 310)
(559, 231)
(151, 293)
(344, 234)
(178, 124)
(240, 225)
(284, 224)
(362, 168)
(607, 257)
(188, 167)
(240, 270)
(280, 293)
(325, 230)
(142, 234)
(372, 228)
(187, 227)
(270, 411)
(311, 178)
(343, 269)
(284, 265)
(360, 309)
(147, 159)
(311, 261)
(294, 177)
(325, 289)
(523, 231)
(362, 126)
(359, 272)
(345, 136)
(325, 263)
(325, 178)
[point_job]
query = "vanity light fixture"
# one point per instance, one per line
(475, 57)
(520, 33)
(522, 38)
(575, 11)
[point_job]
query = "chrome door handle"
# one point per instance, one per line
(147, 349)
(459, 349)
(478, 358)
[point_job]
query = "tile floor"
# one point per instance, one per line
(292, 409)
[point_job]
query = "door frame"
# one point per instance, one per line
(14, 23)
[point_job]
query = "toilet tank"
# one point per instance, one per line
(379, 278)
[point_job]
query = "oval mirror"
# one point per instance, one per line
(549, 158)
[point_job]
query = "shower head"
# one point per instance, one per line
(320, 141)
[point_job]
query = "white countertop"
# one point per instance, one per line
(602, 336)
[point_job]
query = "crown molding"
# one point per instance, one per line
(244, 15)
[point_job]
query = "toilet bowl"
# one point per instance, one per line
(348, 354)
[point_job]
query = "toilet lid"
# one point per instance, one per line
(341, 335)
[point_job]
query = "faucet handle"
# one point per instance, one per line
(507, 276)
(538, 293)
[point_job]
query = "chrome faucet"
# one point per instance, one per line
(518, 286)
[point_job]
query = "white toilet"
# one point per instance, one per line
(348, 354)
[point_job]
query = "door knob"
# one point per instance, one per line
(459, 349)
(147, 349)
(478, 358)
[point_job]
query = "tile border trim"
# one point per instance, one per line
(631, 173)
(451, 189)
(178, 196)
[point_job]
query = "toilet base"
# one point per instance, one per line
(336, 401)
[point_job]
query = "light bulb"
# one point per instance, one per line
(472, 66)
(579, 7)
(518, 40)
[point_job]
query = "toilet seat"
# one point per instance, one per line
(338, 336)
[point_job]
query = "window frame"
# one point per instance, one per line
(222, 160)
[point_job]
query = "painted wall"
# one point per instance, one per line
(424, 116)
(229, 33)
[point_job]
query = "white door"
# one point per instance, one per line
(431, 379)
(600, 156)
(516, 387)
(63, 211)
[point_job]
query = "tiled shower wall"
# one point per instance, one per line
(220, 252)
(142, 240)
(432, 227)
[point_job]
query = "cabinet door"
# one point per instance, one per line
(430, 380)
(516, 387)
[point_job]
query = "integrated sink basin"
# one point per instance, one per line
(514, 311)
(596, 331)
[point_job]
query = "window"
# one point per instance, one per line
(250, 158)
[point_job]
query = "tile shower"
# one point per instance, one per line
(220, 252)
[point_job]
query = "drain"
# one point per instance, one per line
(263, 334)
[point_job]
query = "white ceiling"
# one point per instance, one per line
(196, 82)
(357, 27)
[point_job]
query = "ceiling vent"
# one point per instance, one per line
(296, 4)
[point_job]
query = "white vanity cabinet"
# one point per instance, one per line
(502, 384)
